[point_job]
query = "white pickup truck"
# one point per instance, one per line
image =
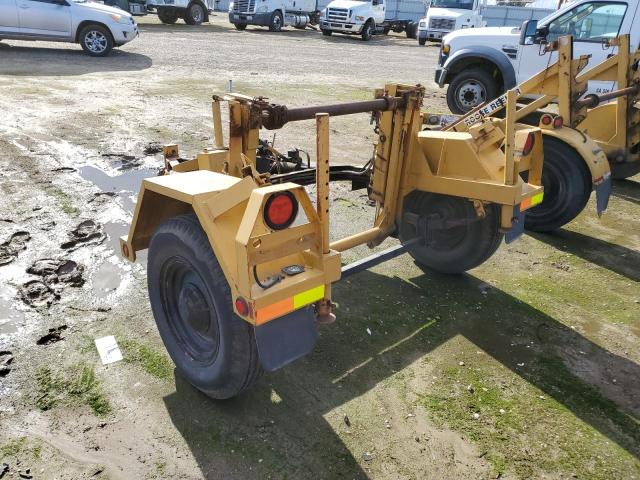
(481, 63)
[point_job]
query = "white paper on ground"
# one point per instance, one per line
(108, 349)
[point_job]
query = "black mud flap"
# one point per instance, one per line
(517, 225)
(603, 192)
(285, 339)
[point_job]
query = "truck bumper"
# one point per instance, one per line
(124, 33)
(441, 75)
(435, 36)
(262, 19)
(341, 27)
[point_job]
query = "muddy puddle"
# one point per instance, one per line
(125, 185)
(10, 317)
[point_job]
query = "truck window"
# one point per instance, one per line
(461, 4)
(589, 22)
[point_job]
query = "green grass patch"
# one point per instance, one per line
(76, 385)
(20, 447)
(152, 361)
(63, 199)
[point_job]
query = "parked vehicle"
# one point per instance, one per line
(274, 14)
(482, 63)
(96, 27)
(364, 18)
(446, 16)
(193, 12)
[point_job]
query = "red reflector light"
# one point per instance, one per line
(242, 307)
(546, 119)
(528, 144)
(558, 122)
(280, 210)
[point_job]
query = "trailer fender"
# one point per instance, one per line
(594, 158)
(483, 55)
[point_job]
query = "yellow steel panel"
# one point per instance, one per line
(310, 296)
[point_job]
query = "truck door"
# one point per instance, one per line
(46, 18)
(8, 16)
(590, 23)
(379, 8)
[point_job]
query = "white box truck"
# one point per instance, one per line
(193, 12)
(274, 14)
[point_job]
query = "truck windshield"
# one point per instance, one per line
(461, 4)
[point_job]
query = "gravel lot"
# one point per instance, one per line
(526, 367)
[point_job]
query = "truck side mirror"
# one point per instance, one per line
(529, 33)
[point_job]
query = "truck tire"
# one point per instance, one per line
(168, 15)
(386, 30)
(212, 348)
(275, 24)
(422, 41)
(240, 26)
(367, 31)
(567, 187)
(455, 249)
(469, 88)
(412, 30)
(96, 40)
(327, 33)
(195, 14)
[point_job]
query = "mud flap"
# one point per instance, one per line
(517, 225)
(285, 339)
(603, 192)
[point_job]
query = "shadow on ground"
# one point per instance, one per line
(68, 60)
(628, 190)
(292, 435)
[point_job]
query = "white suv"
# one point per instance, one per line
(97, 27)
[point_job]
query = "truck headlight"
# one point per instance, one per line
(445, 48)
(323, 13)
(360, 18)
(423, 24)
(231, 6)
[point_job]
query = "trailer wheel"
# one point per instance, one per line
(456, 248)
(367, 31)
(567, 187)
(240, 26)
(168, 15)
(195, 14)
(275, 24)
(469, 88)
(212, 348)
(327, 33)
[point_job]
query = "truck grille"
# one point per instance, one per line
(244, 6)
(337, 14)
(442, 24)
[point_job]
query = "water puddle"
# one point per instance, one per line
(106, 279)
(126, 185)
(10, 317)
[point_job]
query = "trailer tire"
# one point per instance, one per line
(327, 33)
(240, 26)
(275, 24)
(456, 249)
(213, 348)
(367, 31)
(168, 15)
(469, 88)
(567, 187)
(195, 14)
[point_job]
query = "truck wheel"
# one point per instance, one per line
(96, 40)
(470, 88)
(367, 31)
(567, 187)
(275, 24)
(457, 248)
(240, 26)
(168, 15)
(412, 30)
(422, 41)
(194, 15)
(386, 30)
(213, 348)
(327, 33)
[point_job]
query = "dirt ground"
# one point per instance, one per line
(526, 367)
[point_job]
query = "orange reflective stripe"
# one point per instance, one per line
(274, 310)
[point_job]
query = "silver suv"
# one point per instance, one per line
(97, 27)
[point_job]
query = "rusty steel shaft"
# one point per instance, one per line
(276, 116)
(592, 100)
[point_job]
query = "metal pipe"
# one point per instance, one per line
(592, 100)
(357, 239)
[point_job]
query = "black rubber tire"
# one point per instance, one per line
(98, 31)
(276, 21)
(457, 249)
(367, 31)
(221, 360)
(327, 33)
(240, 26)
(195, 14)
(386, 30)
(422, 41)
(168, 15)
(470, 80)
(412, 30)
(567, 187)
